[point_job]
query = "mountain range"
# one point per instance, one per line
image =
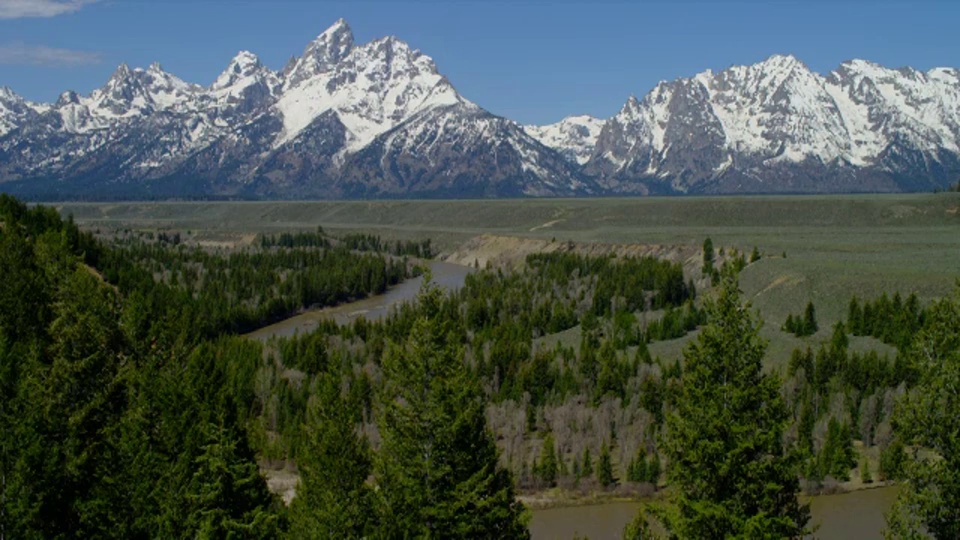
(378, 120)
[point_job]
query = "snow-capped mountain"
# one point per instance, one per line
(307, 131)
(777, 126)
(379, 120)
(575, 136)
(15, 111)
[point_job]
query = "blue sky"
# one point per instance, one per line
(533, 61)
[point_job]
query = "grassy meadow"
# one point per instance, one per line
(834, 246)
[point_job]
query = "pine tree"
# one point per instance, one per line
(639, 528)
(708, 257)
(586, 469)
(437, 470)
(653, 469)
(892, 459)
(723, 440)
(605, 468)
(929, 417)
(865, 476)
(809, 326)
(637, 470)
(332, 499)
(227, 496)
(548, 461)
(837, 455)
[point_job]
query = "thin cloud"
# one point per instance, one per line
(18, 9)
(19, 54)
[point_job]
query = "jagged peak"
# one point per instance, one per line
(339, 26)
(122, 72)
(335, 41)
(944, 73)
(581, 118)
(783, 60)
(7, 93)
(244, 58)
(322, 54)
(243, 64)
(156, 68)
(68, 98)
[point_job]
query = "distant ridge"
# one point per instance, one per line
(379, 120)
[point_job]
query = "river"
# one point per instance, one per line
(446, 275)
(850, 515)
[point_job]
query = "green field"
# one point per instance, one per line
(835, 246)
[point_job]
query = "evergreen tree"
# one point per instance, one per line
(726, 461)
(548, 461)
(437, 471)
(637, 470)
(809, 326)
(929, 417)
(227, 496)
(332, 499)
(639, 528)
(892, 459)
(653, 469)
(586, 469)
(605, 468)
(837, 456)
(865, 476)
(708, 257)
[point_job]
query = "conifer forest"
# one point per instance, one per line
(133, 405)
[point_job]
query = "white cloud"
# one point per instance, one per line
(39, 55)
(17, 9)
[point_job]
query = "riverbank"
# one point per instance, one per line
(558, 498)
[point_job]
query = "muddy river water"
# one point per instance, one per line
(852, 515)
(446, 275)
(856, 515)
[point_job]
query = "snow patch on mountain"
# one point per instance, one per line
(372, 87)
(574, 136)
(780, 112)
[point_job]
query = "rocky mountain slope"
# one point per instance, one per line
(778, 127)
(574, 137)
(379, 120)
(342, 120)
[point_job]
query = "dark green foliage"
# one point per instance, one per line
(332, 499)
(865, 475)
(893, 321)
(837, 456)
(802, 326)
(754, 255)
(437, 468)
(639, 528)
(586, 467)
(107, 431)
(708, 257)
(299, 239)
(605, 468)
(892, 460)
(208, 294)
(676, 323)
(547, 468)
(226, 495)
(726, 462)
(929, 417)
(370, 242)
